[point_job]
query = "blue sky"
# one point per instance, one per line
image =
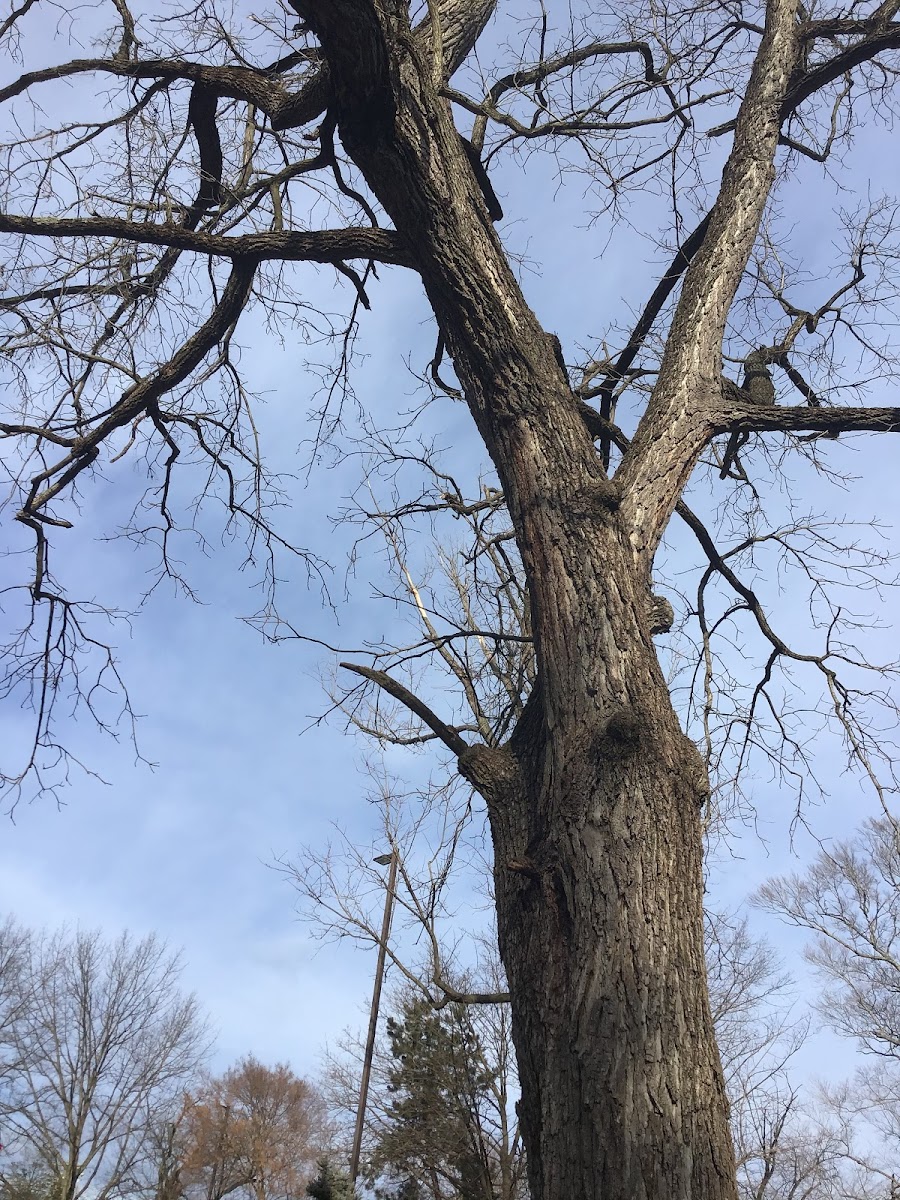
(186, 849)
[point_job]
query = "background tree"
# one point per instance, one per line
(166, 216)
(163, 1175)
(789, 1143)
(28, 1181)
(849, 899)
(254, 1130)
(330, 1183)
(14, 992)
(104, 1043)
(448, 1124)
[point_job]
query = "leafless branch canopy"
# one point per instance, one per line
(191, 169)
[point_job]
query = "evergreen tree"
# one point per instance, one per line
(330, 1183)
(443, 1128)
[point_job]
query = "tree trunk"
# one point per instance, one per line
(597, 846)
(594, 801)
(622, 1095)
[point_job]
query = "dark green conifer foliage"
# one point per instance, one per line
(330, 1183)
(439, 1139)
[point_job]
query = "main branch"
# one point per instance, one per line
(677, 423)
(319, 246)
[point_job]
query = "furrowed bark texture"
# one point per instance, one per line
(594, 801)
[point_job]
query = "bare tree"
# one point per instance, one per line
(849, 899)
(105, 1044)
(254, 1130)
(789, 1145)
(14, 992)
(787, 1153)
(233, 145)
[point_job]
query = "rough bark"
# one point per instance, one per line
(597, 872)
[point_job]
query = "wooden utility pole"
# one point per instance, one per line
(382, 860)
